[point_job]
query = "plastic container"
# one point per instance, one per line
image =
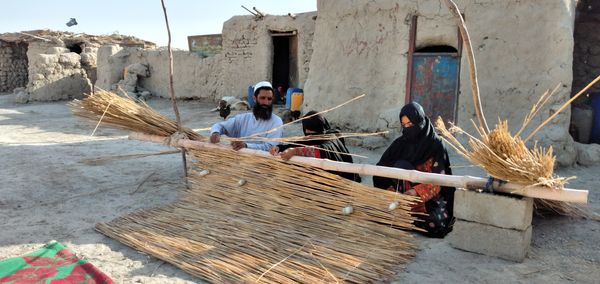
(595, 134)
(251, 96)
(288, 96)
(297, 100)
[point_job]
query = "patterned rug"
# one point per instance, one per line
(52, 264)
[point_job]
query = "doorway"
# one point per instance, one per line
(285, 62)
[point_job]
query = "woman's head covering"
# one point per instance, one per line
(317, 123)
(417, 143)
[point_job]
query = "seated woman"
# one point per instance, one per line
(318, 148)
(420, 148)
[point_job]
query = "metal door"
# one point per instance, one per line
(435, 84)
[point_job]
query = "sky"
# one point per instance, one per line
(140, 18)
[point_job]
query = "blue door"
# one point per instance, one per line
(435, 84)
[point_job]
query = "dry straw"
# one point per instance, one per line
(501, 154)
(125, 113)
(283, 224)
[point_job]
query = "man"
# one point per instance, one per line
(260, 120)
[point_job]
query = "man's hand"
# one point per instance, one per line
(288, 154)
(411, 192)
(236, 145)
(215, 137)
(274, 150)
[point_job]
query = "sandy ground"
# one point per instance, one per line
(48, 192)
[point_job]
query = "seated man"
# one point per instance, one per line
(326, 149)
(260, 120)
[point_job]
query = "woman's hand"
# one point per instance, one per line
(274, 150)
(288, 154)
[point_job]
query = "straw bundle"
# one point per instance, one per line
(506, 157)
(126, 113)
(501, 154)
(258, 219)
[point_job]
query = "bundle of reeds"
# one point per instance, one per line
(125, 113)
(256, 219)
(506, 157)
(502, 155)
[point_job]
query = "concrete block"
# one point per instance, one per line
(489, 240)
(496, 210)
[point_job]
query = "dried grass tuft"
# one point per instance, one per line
(126, 113)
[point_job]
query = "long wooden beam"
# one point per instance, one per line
(468, 182)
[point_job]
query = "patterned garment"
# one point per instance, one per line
(438, 221)
(52, 264)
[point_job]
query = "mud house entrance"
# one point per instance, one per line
(13, 65)
(285, 59)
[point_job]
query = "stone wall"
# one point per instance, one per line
(586, 58)
(194, 76)
(248, 49)
(55, 73)
(522, 48)
(13, 66)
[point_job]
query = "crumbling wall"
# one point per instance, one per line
(13, 65)
(522, 48)
(55, 73)
(248, 49)
(194, 76)
(88, 61)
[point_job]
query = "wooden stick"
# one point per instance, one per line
(468, 182)
(472, 66)
(563, 107)
(172, 89)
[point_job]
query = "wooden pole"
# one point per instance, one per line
(563, 107)
(172, 89)
(472, 66)
(468, 182)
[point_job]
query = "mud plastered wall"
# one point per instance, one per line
(522, 49)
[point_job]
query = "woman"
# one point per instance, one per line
(318, 148)
(420, 148)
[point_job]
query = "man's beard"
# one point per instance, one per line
(262, 112)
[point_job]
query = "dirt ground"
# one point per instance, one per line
(49, 192)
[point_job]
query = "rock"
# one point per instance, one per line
(70, 59)
(588, 154)
(138, 69)
(145, 95)
(57, 50)
(88, 59)
(48, 59)
(22, 97)
(240, 105)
